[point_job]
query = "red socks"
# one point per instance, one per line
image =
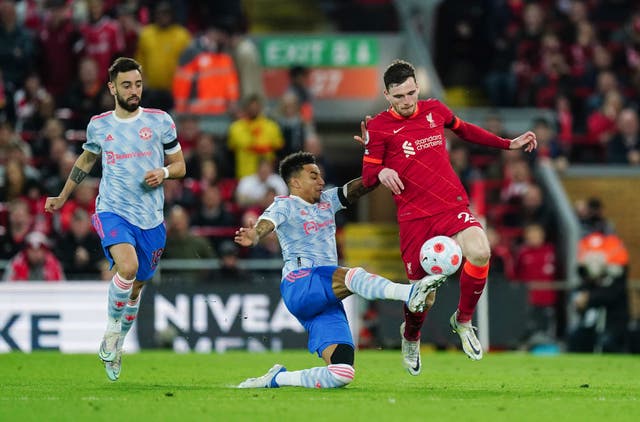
(472, 281)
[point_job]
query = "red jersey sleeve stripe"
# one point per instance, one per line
(372, 160)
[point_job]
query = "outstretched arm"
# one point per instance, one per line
(80, 170)
(353, 190)
(250, 236)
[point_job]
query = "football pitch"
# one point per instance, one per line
(164, 386)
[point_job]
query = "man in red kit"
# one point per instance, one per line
(405, 150)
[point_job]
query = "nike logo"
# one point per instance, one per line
(478, 292)
(476, 351)
(417, 367)
(397, 130)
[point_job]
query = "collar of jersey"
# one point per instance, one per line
(302, 200)
(399, 117)
(130, 119)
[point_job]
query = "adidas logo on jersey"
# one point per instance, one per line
(408, 149)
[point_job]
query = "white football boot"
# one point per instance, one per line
(470, 343)
(268, 380)
(410, 354)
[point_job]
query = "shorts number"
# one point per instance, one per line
(468, 218)
(155, 257)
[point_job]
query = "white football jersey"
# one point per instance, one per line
(307, 232)
(130, 148)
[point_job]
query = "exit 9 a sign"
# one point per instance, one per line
(342, 67)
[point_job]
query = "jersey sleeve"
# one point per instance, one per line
(278, 212)
(373, 155)
(92, 144)
(333, 198)
(169, 136)
(470, 132)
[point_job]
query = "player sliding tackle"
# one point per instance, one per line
(313, 285)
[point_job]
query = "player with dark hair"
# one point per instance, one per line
(405, 150)
(134, 144)
(313, 285)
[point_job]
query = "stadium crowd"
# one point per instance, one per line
(579, 58)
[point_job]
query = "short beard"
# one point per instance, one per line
(129, 107)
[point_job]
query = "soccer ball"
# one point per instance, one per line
(441, 255)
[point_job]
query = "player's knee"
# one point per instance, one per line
(127, 270)
(480, 255)
(342, 374)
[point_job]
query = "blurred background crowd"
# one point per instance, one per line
(579, 59)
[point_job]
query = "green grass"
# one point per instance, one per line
(163, 386)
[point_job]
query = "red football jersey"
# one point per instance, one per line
(415, 147)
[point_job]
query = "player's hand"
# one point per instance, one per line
(154, 178)
(527, 140)
(246, 236)
(364, 134)
(53, 204)
(389, 178)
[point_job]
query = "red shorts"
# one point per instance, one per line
(414, 233)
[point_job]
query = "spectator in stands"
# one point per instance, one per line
(49, 162)
(57, 54)
(29, 102)
(182, 244)
(624, 147)
(253, 137)
(601, 299)
(532, 208)
(208, 147)
(17, 183)
(230, 270)
(501, 256)
(35, 262)
(102, 39)
(130, 26)
(591, 216)
(206, 81)
(159, 48)
(528, 42)
(246, 58)
(535, 263)
(549, 146)
(295, 130)
(17, 53)
(87, 96)
(211, 210)
(553, 74)
(188, 127)
(601, 124)
(19, 222)
(299, 85)
(54, 182)
(517, 178)
(79, 249)
(500, 80)
(252, 189)
(606, 81)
